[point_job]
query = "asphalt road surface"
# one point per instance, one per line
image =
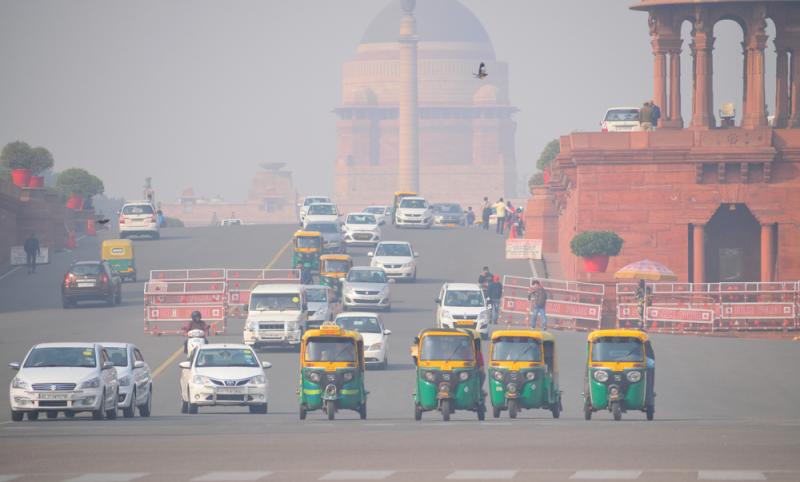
(727, 409)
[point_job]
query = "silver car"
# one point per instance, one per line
(134, 377)
(366, 287)
(332, 241)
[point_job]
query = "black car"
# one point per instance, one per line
(448, 214)
(91, 280)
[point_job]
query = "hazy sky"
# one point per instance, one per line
(199, 92)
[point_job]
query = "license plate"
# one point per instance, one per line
(229, 390)
(53, 396)
(465, 323)
(85, 284)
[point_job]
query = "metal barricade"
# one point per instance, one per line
(571, 305)
(168, 305)
(241, 282)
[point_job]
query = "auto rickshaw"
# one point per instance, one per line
(449, 373)
(119, 254)
(398, 196)
(523, 372)
(332, 268)
(620, 373)
(307, 249)
(332, 371)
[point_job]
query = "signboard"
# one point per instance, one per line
(19, 257)
(567, 309)
(184, 313)
(757, 311)
(523, 249)
(681, 315)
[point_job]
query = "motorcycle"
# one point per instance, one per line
(194, 339)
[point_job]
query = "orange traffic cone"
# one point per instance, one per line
(512, 233)
(71, 243)
(90, 230)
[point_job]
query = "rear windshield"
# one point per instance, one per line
(414, 203)
(86, 269)
(323, 227)
(447, 208)
(137, 209)
(322, 209)
(361, 219)
(622, 115)
(61, 357)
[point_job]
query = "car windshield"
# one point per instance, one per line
(330, 349)
(61, 357)
(464, 298)
(622, 115)
(137, 209)
(375, 210)
(315, 200)
(317, 295)
(393, 250)
(336, 266)
(308, 242)
(226, 357)
(414, 203)
(275, 302)
(323, 227)
(617, 349)
(118, 355)
(516, 348)
(361, 324)
(361, 219)
(447, 208)
(366, 276)
(86, 269)
(447, 347)
(322, 209)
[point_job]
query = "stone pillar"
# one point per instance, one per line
(767, 254)
(702, 115)
(675, 117)
(408, 120)
(660, 79)
(781, 86)
(755, 114)
(699, 252)
(745, 69)
(794, 121)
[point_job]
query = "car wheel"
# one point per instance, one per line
(100, 413)
(51, 414)
(69, 414)
(362, 411)
(144, 410)
(130, 410)
(33, 416)
(193, 409)
(258, 408)
(112, 413)
(16, 415)
(417, 412)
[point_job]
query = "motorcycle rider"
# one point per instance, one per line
(196, 323)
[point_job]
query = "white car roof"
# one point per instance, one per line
(66, 344)
(377, 206)
(278, 288)
(236, 346)
(419, 198)
(116, 344)
(622, 108)
(356, 314)
(395, 242)
(137, 202)
(463, 286)
(323, 204)
(361, 213)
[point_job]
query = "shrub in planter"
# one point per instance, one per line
(41, 160)
(595, 247)
(18, 157)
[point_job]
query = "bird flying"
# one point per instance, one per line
(481, 72)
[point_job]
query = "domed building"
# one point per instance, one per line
(466, 130)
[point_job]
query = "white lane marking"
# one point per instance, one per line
(9, 477)
(232, 476)
(606, 475)
(482, 475)
(108, 477)
(730, 475)
(9, 272)
(357, 475)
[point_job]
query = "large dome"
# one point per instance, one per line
(437, 21)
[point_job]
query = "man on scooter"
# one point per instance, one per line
(197, 323)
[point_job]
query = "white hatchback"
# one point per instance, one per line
(397, 258)
(308, 201)
(138, 219)
(224, 374)
(375, 336)
(462, 305)
(321, 212)
(361, 229)
(134, 377)
(413, 212)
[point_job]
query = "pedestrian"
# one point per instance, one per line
(495, 295)
(483, 279)
(656, 114)
(520, 223)
(486, 213)
(538, 298)
(500, 214)
(510, 218)
(32, 250)
(646, 117)
(470, 216)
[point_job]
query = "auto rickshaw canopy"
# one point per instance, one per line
(300, 235)
(642, 336)
(117, 249)
(539, 335)
(335, 257)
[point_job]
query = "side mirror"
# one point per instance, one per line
(14, 366)
(138, 364)
(416, 254)
(370, 253)
(416, 340)
(107, 365)
(185, 365)
(387, 332)
(266, 365)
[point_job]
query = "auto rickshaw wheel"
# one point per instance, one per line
(362, 411)
(330, 408)
(303, 412)
(616, 409)
(417, 412)
(512, 408)
(650, 412)
(445, 408)
(587, 411)
(496, 412)
(481, 412)
(556, 409)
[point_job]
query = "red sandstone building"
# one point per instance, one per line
(714, 204)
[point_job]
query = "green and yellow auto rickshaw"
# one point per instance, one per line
(119, 254)
(307, 247)
(449, 373)
(399, 196)
(620, 373)
(523, 372)
(332, 371)
(332, 268)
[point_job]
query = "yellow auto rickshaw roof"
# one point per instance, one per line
(307, 234)
(117, 243)
(539, 335)
(617, 332)
(444, 332)
(331, 329)
(405, 193)
(336, 257)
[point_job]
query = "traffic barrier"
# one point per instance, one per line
(168, 305)
(71, 242)
(241, 282)
(204, 274)
(571, 305)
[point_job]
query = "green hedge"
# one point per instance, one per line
(592, 243)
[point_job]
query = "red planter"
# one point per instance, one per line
(546, 175)
(21, 177)
(595, 264)
(36, 182)
(75, 201)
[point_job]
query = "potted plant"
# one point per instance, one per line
(41, 161)
(17, 156)
(595, 247)
(78, 184)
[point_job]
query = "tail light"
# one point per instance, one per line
(68, 279)
(104, 279)
(604, 127)
(121, 220)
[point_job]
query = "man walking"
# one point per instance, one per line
(32, 250)
(656, 114)
(538, 298)
(485, 213)
(646, 117)
(495, 295)
(500, 214)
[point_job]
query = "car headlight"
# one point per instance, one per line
(601, 376)
(438, 219)
(291, 326)
(429, 376)
(201, 380)
(347, 376)
(463, 376)
(530, 375)
(124, 381)
(251, 326)
(257, 380)
(376, 264)
(19, 383)
(91, 383)
(498, 375)
(634, 376)
(376, 346)
(407, 265)
(314, 377)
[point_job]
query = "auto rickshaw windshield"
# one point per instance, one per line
(447, 348)
(336, 266)
(618, 349)
(308, 242)
(517, 348)
(330, 349)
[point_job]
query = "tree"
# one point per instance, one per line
(41, 160)
(17, 155)
(79, 181)
(550, 151)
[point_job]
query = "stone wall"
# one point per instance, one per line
(9, 205)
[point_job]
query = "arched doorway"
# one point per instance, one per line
(733, 245)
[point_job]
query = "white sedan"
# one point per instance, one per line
(376, 338)
(224, 374)
(64, 377)
(397, 258)
(361, 228)
(133, 375)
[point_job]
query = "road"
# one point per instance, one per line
(727, 409)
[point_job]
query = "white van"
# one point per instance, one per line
(276, 315)
(138, 218)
